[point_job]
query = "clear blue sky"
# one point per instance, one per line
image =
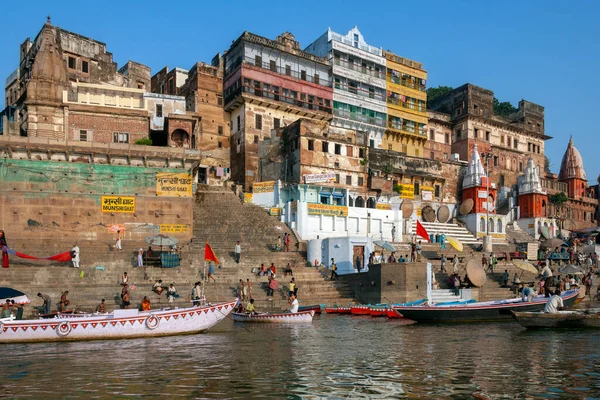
(543, 51)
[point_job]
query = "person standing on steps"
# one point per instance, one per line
(211, 273)
(455, 264)
(140, 257)
(118, 241)
(333, 270)
(238, 252)
(75, 256)
(419, 249)
(249, 286)
(443, 262)
(286, 242)
(4, 248)
(394, 234)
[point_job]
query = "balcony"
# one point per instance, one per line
(406, 83)
(359, 68)
(316, 79)
(410, 106)
(404, 129)
(359, 117)
(361, 92)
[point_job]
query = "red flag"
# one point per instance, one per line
(421, 231)
(209, 254)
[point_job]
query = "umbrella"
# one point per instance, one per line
(552, 243)
(384, 245)
(455, 243)
(570, 270)
(162, 240)
(12, 294)
(525, 266)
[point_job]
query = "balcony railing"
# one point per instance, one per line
(359, 117)
(316, 79)
(359, 91)
(406, 83)
(277, 96)
(359, 68)
(407, 129)
(411, 106)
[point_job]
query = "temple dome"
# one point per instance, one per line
(572, 164)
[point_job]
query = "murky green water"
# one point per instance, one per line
(335, 357)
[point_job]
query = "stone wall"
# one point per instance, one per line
(102, 126)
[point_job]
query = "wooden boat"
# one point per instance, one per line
(120, 324)
(391, 313)
(478, 311)
(360, 310)
(378, 311)
(562, 319)
(315, 308)
(275, 318)
(338, 310)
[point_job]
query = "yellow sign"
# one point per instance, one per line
(428, 188)
(275, 211)
(173, 184)
(247, 197)
(407, 191)
(383, 206)
(327, 209)
(119, 204)
(419, 212)
(263, 187)
(174, 228)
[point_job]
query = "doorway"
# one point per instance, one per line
(358, 257)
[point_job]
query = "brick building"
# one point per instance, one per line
(168, 82)
(269, 84)
(439, 137)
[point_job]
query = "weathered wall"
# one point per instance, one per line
(102, 126)
(45, 200)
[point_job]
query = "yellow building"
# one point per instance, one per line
(406, 128)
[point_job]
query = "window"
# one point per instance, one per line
(337, 178)
(324, 199)
(445, 156)
(458, 132)
(303, 75)
(431, 134)
(219, 145)
(276, 123)
(371, 93)
(508, 141)
(390, 146)
(502, 139)
(258, 61)
(140, 85)
(361, 153)
(438, 191)
(159, 110)
(311, 145)
(432, 155)
(239, 123)
(528, 146)
(85, 67)
(476, 134)
(520, 166)
(325, 147)
(120, 137)
(220, 129)
(171, 86)
(338, 149)
(72, 63)
(515, 143)
(352, 87)
(83, 136)
(288, 70)
(273, 65)
(316, 79)
(349, 151)
(404, 148)
(360, 181)
(417, 188)
(348, 179)
(487, 136)
(447, 138)
(495, 161)
(219, 100)
(372, 143)
(258, 121)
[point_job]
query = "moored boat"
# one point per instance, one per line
(316, 308)
(488, 311)
(337, 310)
(378, 311)
(275, 318)
(563, 319)
(120, 324)
(391, 313)
(360, 310)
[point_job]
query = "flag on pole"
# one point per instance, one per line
(209, 254)
(421, 231)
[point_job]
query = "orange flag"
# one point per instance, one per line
(209, 254)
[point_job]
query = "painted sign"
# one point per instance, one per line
(419, 211)
(263, 187)
(327, 209)
(174, 228)
(119, 204)
(426, 195)
(294, 206)
(115, 228)
(173, 184)
(406, 191)
(482, 194)
(275, 211)
(383, 206)
(314, 178)
(247, 197)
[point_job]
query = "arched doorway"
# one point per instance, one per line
(360, 202)
(180, 138)
(371, 202)
(482, 224)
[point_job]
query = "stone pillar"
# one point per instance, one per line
(487, 244)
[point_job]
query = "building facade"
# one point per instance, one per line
(359, 85)
(169, 82)
(439, 137)
(269, 84)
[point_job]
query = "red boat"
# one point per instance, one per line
(391, 313)
(360, 310)
(337, 310)
(315, 308)
(378, 311)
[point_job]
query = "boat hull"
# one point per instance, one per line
(563, 319)
(122, 324)
(360, 310)
(282, 318)
(482, 312)
(337, 310)
(315, 308)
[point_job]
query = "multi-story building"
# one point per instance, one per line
(269, 84)
(406, 106)
(359, 97)
(509, 141)
(439, 136)
(169, 82)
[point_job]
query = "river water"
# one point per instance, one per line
(334, 357)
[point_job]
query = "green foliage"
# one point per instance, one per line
(503, 109)
(388, 169)
(397, 188)
(144, 142)
(547, 165)
(558, 199)
(434, 93)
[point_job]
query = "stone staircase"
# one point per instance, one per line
(454, 230)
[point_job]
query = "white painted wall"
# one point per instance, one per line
(342, 251)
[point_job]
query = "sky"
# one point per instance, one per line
(544, 51)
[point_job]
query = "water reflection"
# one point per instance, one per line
(335, 357)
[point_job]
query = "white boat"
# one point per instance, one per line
(279, 318)
(120, 324)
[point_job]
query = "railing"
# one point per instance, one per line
(405, 83)
(411, 106)
(358, 68)
(316, 79)
(405, 128)
(278, 96)
(346, 40)
(360, 117)
(359, 91)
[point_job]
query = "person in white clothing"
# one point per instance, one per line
(140, 257)
(75, 256)
(118, 242)
(554, 304)
(293, 303)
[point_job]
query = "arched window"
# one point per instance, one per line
(499, 226)
(490, 225)
(360, 202)
(350, 201)
(482, 224)
(371, 202)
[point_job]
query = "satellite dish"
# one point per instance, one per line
(407, 208)
(466, 207)
(476, 273)
(443, 214)
(428, 214)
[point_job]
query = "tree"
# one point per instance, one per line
(503, 109)
(558, 199)
(434, 93)
(547, 165)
